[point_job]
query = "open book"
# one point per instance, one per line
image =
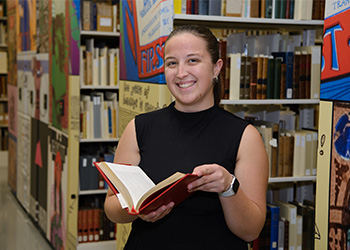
(136, 191)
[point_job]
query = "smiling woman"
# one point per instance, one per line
(194, 135)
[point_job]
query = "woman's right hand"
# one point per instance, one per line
(158, 214)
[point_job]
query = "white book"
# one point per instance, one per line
(235, 75)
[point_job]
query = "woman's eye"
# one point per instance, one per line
(193, 60)
(169, 64)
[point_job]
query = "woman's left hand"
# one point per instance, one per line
(214, 178)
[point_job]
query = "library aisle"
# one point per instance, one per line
(17, 231)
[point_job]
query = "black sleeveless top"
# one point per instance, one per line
(170, 141)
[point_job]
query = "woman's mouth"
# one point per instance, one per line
(186, 84)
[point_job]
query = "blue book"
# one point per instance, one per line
(288, 58)
(275, 217)
(203, 7)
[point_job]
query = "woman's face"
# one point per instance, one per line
(189, 72)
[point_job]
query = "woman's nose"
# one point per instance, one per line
(181, 71)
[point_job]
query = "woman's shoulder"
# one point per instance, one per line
(230, 117)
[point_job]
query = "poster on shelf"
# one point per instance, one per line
(42, 36)
(26, 25)
(23, 160)
(57, 186)
(39, 172)
(145, 25)
(335, 67)
(25, 83)
(339, 191)
(73, 35)
(59, 62)
(40, 71)
(140, 97)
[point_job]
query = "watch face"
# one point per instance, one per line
(235, 185)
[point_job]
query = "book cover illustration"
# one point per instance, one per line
(144, 25)
(59, 66)
(23, 159)
(42, 41)
(26, 21)
(73, 35)
(335, 67)
(339, 191)
(57, 170)
(40, 72)
(25, 83)
(39, 172)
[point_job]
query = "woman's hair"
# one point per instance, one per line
(212, 47)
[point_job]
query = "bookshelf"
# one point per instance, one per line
(291, 187)
(101, 48)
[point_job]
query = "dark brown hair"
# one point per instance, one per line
(212, 47)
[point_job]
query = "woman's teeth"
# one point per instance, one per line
(186, 85)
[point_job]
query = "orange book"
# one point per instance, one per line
(80, 226)
(96, 224)
(136, 191)
(90, 224)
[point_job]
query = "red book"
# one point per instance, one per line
(136, 191)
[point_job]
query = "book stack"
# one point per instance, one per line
(288, 225)
(291, 153)
(94, 226)
(99, 16)
(279, 75)
(99, 65)
(99, 115)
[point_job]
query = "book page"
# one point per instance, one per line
(134, 179)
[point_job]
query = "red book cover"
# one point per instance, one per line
(175, 192)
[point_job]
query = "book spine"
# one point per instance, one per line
(277, 78)
(302, 79)
(296, 74)
(242, 76)
(253, 78)
(247, 77)
(270, 77)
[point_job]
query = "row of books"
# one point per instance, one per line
(286, 9)
(94, 226)
(288, 225)
(4, 137)
(3, 34)
(3, 86)
(99, 115)
(99, 65)
(99, 16)
(291, 153)
(281, 75)
(89, 177)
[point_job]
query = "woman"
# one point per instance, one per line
(193, 134)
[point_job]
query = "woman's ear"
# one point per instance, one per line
(217, 67)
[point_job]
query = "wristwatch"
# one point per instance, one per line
(233, 188)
